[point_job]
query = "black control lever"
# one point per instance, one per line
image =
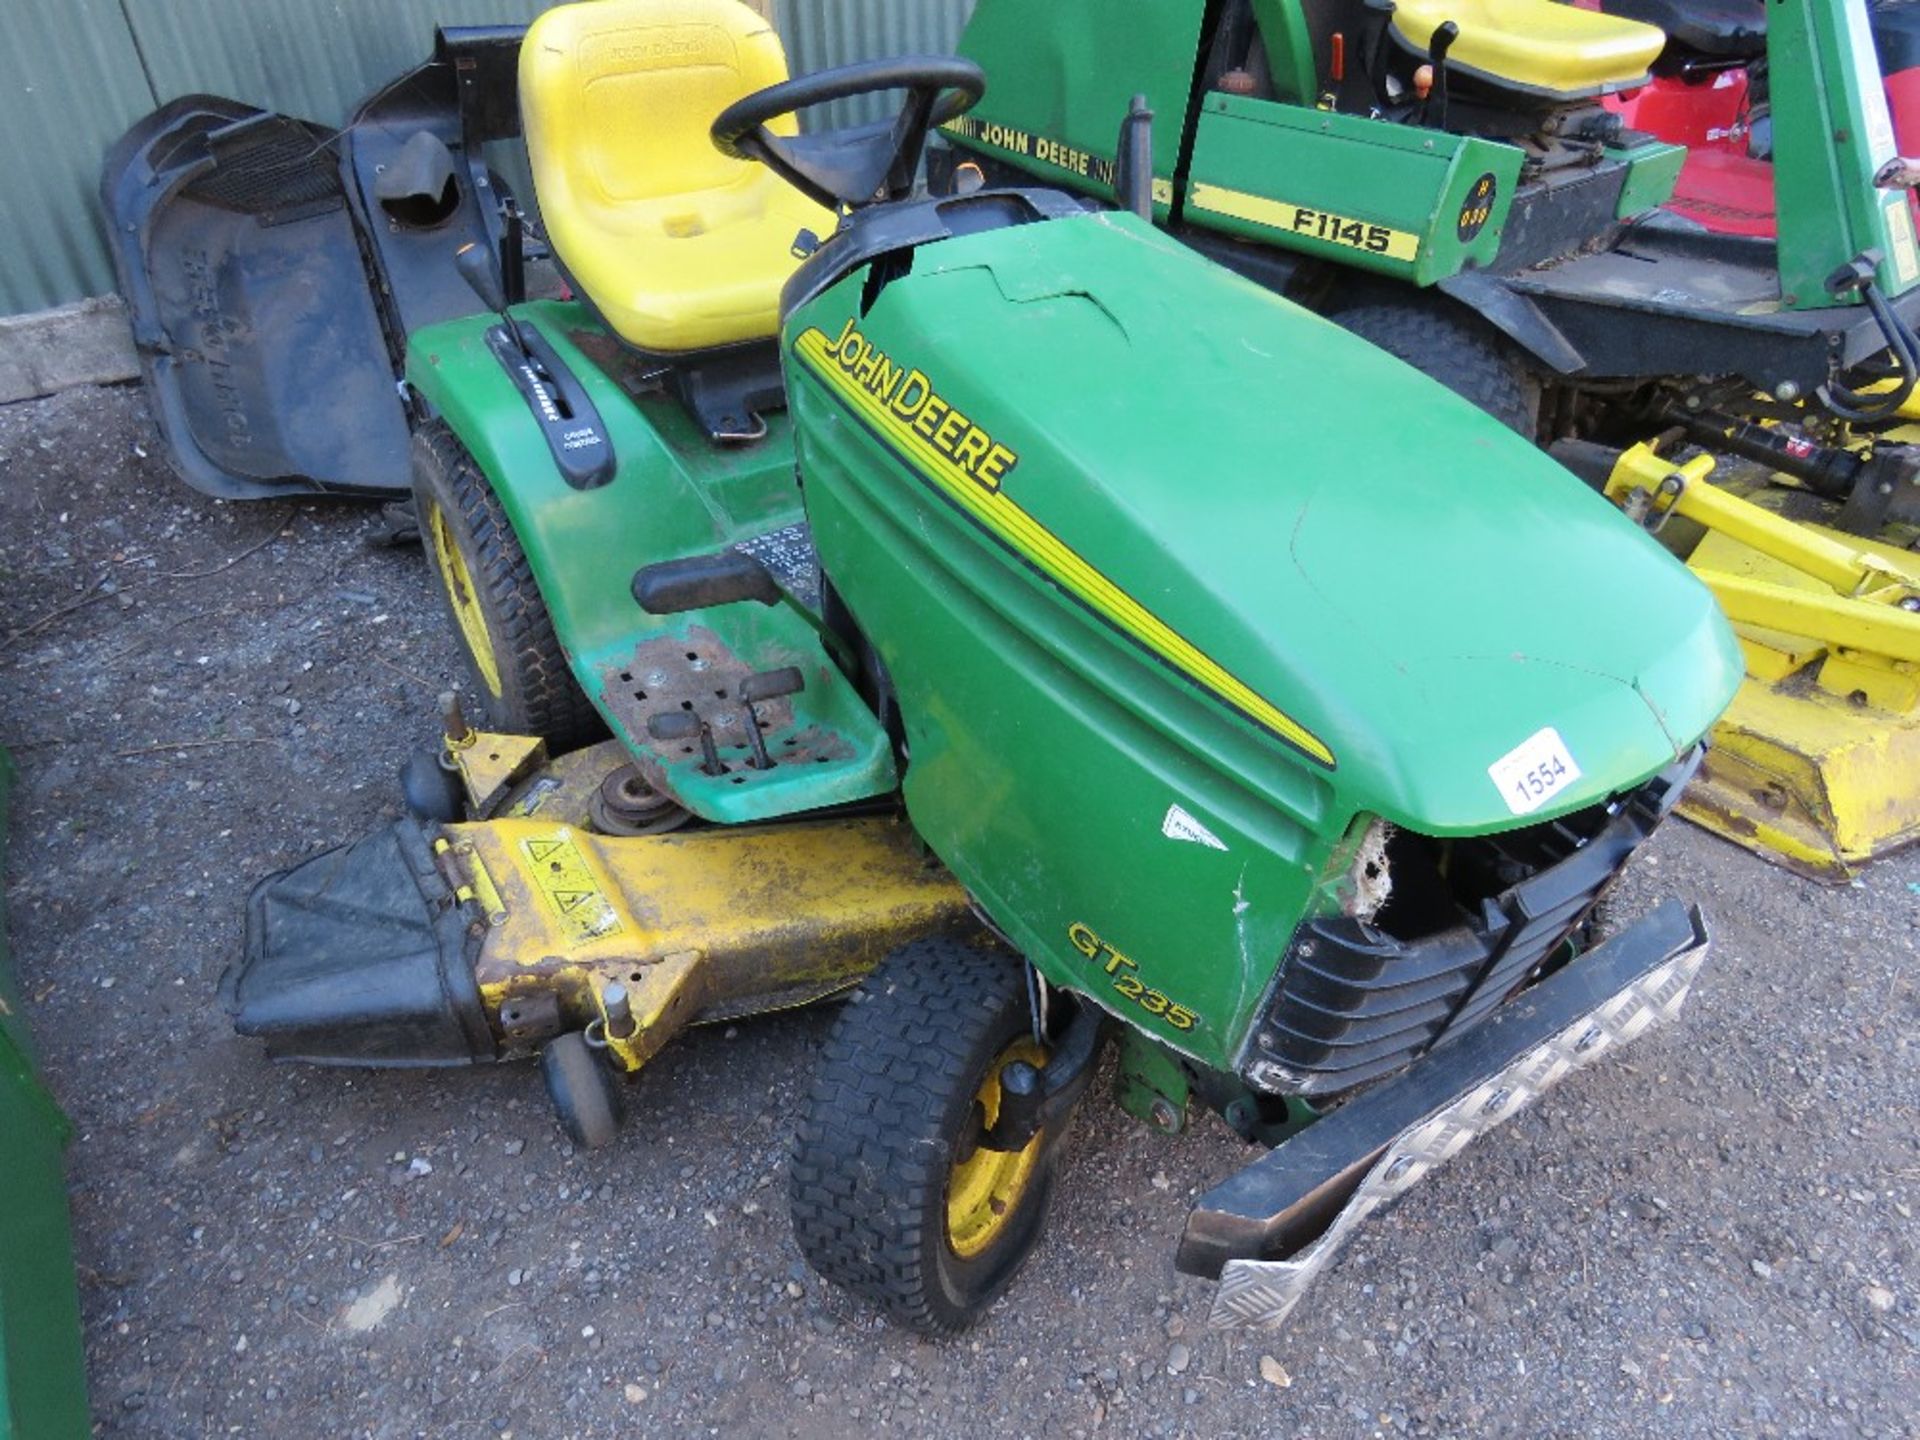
(759, 688)
(1133, 162)
(669, 587)
(481, 271)
(560, 404)
(682, 725)
(513, 251)
(1433, 110)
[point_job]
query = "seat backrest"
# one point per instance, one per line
(1724, 29)
(616, 97)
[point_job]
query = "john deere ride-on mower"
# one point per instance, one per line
(965, 635)
(1453, 180)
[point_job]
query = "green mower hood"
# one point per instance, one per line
(1390, 587)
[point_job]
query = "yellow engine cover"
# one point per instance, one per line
(1539, 46)
(678, 246)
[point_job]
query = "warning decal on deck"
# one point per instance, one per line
(561, 876)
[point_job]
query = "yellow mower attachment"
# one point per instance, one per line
(635, 938)
(598, 916)
(1816, 764)
(574, 913)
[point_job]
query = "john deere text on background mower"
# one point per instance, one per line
(1068, 697)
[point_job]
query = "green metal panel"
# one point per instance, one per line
(1317, 542)
(1402, 200)
(1060, 79)
(70, 83)
(1652, 171)
(675, 494)
(1289, 43)
(43, 1393)
(1832, 132)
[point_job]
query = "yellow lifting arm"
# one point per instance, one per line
(1875, 605)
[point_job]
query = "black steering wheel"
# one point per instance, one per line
(864, 164)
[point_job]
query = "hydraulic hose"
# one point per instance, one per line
(1859, 408)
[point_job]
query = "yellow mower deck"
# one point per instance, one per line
(634, 937)
(1816, 765)
(698, 926)
(573, 907)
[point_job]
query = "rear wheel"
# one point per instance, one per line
(1458, 349)
(893, 1196)
(518, 668)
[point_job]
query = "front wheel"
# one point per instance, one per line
(893, 1196)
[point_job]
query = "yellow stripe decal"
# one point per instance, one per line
(1306, 222)
(1002, 517)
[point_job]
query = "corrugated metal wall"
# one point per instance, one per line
(75, 73)
(824, 33)
(70, 83)
(313, 58)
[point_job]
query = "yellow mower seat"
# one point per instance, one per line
(677, 246)
(1537, 46)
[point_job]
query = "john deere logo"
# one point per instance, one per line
(1478, 207)
(899, 406)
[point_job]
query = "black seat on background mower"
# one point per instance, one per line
(1718, 29)
(1896, 34)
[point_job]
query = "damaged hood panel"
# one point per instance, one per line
(1313, 534)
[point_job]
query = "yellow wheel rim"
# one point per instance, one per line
(985, 1189)
(449, 560)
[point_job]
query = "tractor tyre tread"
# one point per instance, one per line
(539, 694)
(1461, 351)
(873, 1150)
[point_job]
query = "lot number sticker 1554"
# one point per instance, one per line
(1535, 771)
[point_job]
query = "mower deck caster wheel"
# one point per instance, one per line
(584, 1091)
(431, 790)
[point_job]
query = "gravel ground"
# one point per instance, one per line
(1711, 1234)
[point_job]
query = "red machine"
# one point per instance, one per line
(1709, 93)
